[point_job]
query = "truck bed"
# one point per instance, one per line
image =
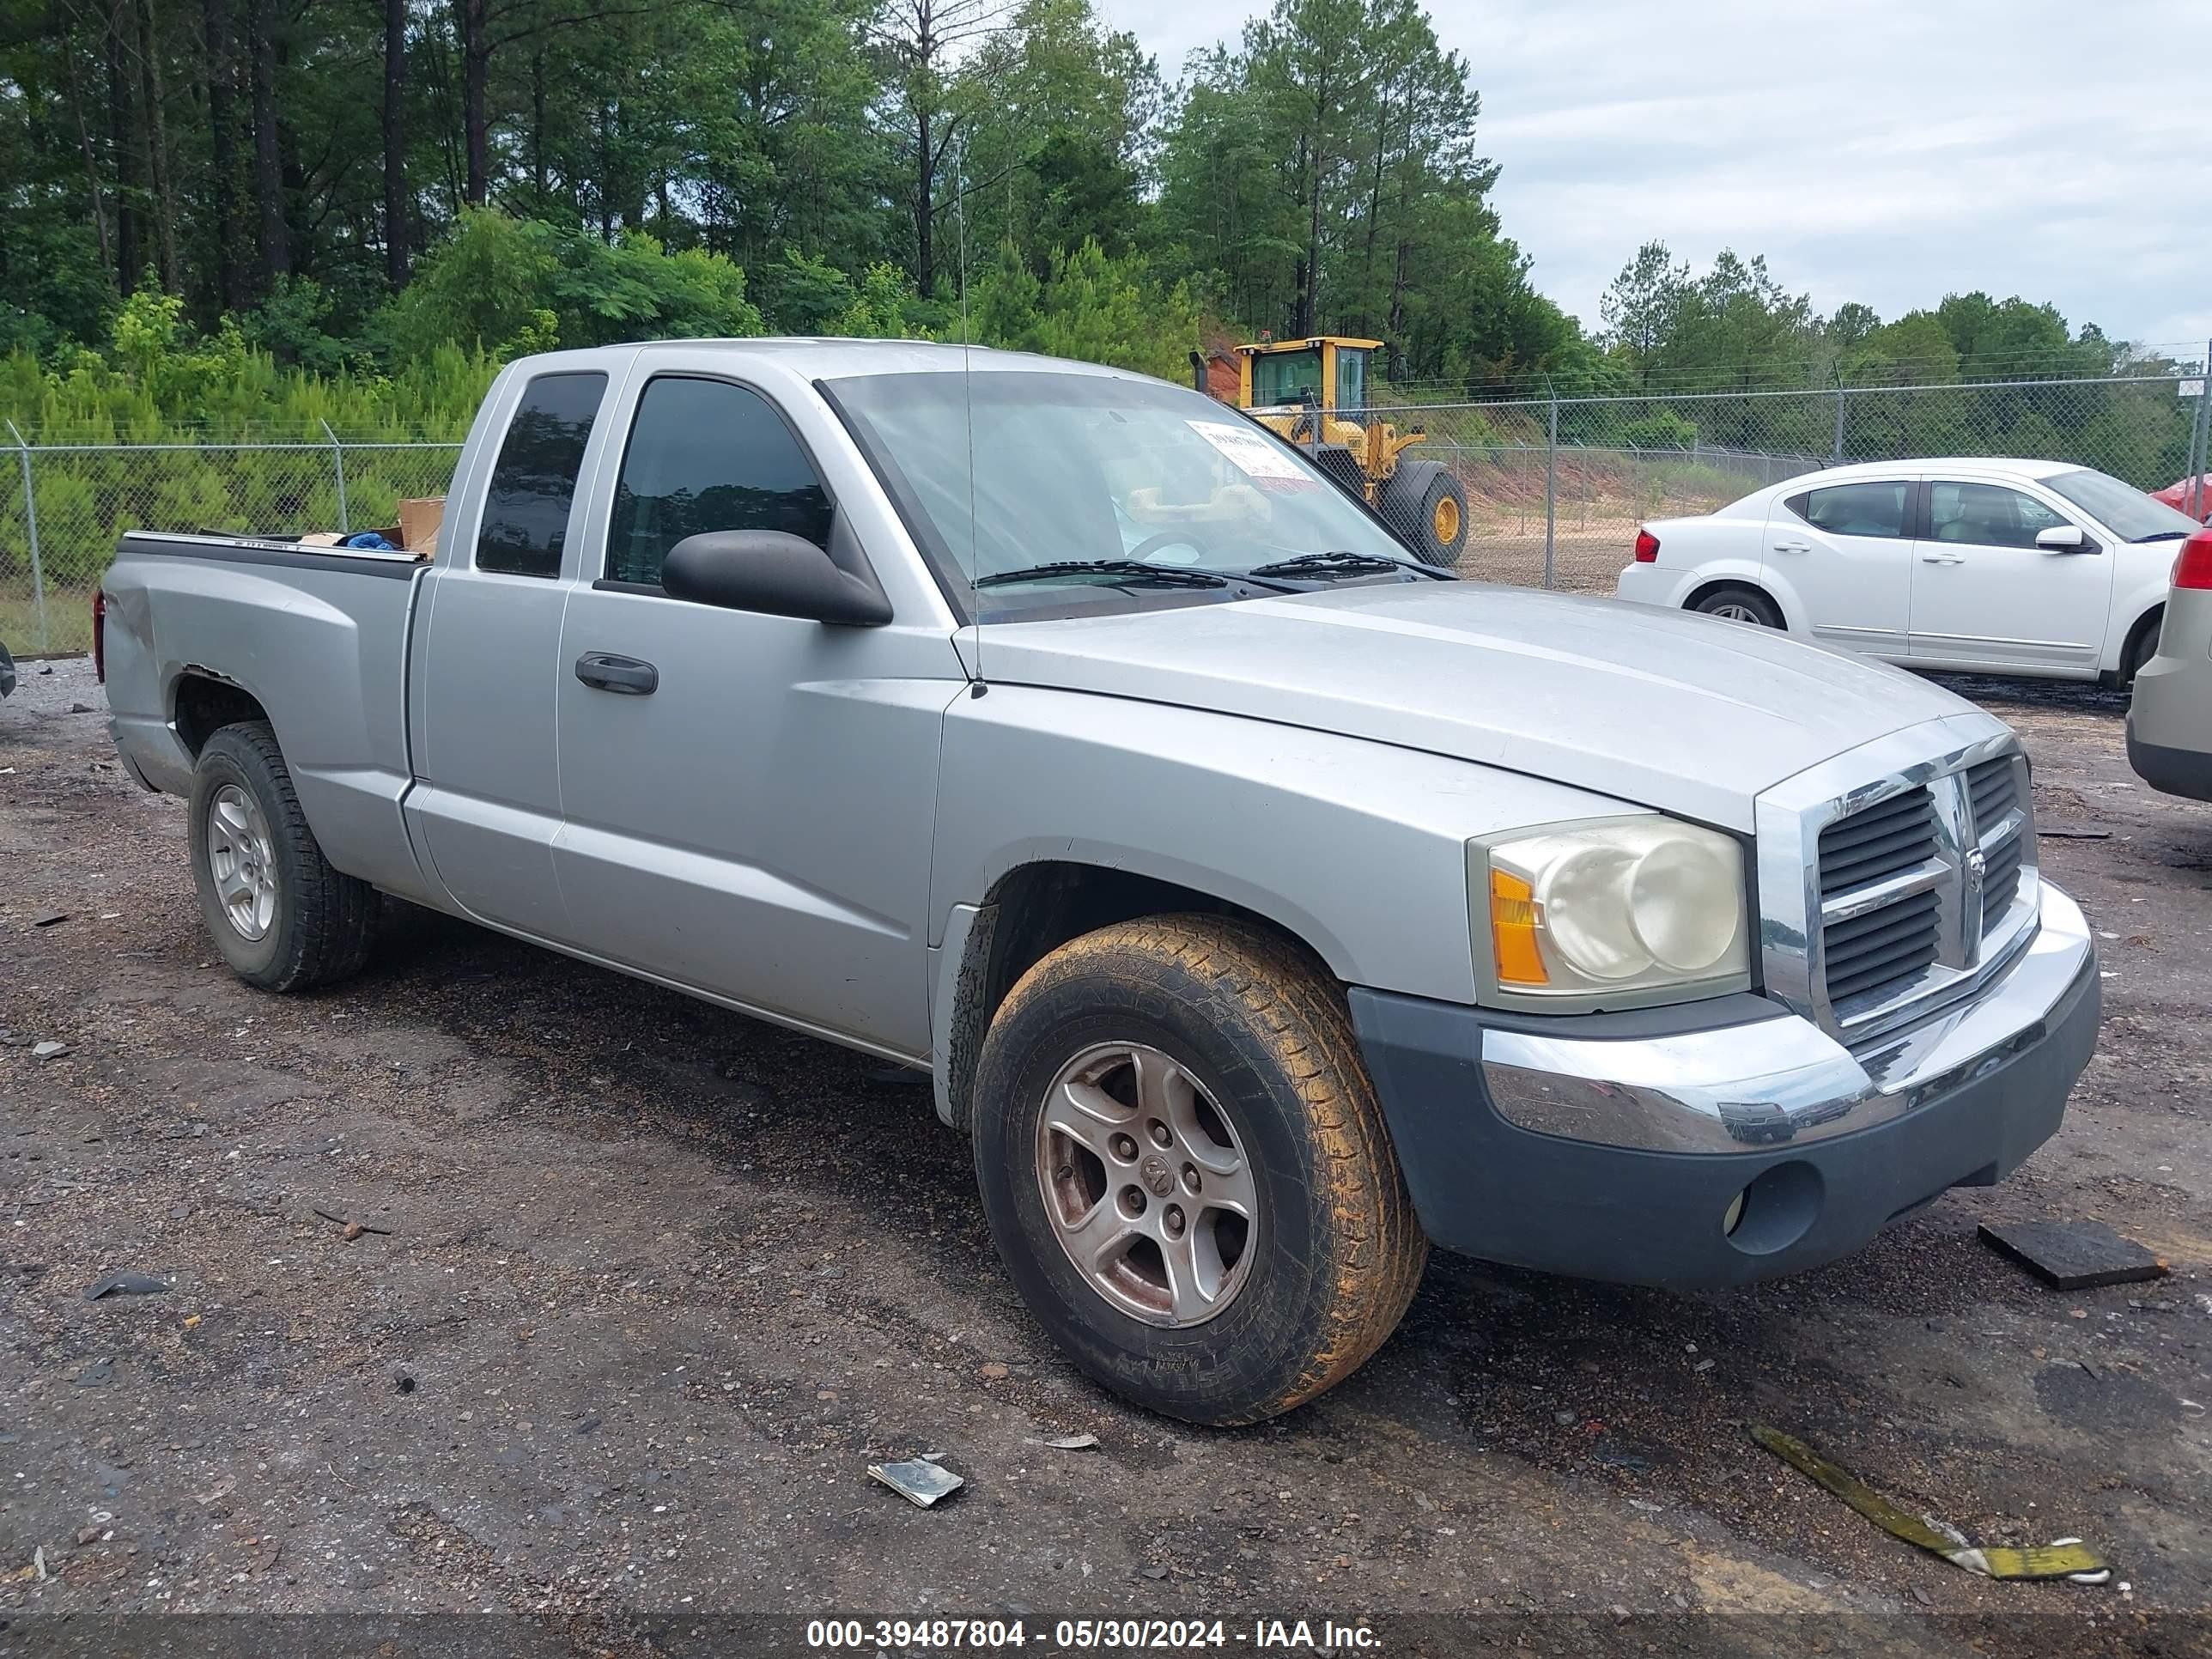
(316, 637)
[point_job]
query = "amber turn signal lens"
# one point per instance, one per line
(1513, 931)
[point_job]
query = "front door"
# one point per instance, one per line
(487, 800)
(1846, 550)
(747, 799)
(1984, 594)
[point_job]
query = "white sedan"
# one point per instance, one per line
(2023, 567)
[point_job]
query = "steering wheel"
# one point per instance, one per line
(1151, 544)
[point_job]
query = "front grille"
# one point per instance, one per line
(1884, 947)
(2000, 884)
(1877, 841)
(1916, 882)
(1993, 787)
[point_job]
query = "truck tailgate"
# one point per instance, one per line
(317, 638)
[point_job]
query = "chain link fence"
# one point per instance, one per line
(1545, 491)
(63, 506)
(1552, 489)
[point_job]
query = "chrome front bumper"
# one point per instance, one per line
(1783, 1082)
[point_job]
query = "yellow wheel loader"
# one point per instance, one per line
(1314, 392)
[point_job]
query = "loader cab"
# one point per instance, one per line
(1327, 372)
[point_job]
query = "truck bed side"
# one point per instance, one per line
(317, 638)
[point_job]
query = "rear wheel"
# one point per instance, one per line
(280, 916)
(1427, 505)
(1186, 1171)
(1743, 605)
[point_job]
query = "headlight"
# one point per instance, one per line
(1611, 913)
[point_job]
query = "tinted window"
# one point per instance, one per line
(1858, 509)
(705, 455)
(527, 510)
(1986, 515)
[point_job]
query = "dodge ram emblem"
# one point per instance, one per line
(1156, 1175)
(1976, 864)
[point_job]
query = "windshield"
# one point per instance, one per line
(1084, 467)
(1286, 377)
(2123, 510)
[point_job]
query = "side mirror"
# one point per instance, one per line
(774, 573)
(2065, 539)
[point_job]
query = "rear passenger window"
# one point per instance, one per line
(707, 455)
(1855, 509)
(526, 514)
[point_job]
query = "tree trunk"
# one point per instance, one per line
(537, 123)
(123, 154)
(476, 75)
(925, 193)
(274, 239)
(396, 198)
(1308, 295)
(222, 152)
(154, 135)
(99, 196)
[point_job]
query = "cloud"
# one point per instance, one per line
(1888, 151)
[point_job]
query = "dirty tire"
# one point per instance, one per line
(324, 921)
(1335, 1253)
(2141, 646)
(1743, 605)
(1426, 505)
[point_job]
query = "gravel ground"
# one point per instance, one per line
(650, 1285)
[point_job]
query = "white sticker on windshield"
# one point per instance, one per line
(1251, 453)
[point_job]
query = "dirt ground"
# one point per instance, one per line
(649, 1285)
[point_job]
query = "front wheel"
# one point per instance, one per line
(1186, 1171)
(1426, 504)
(280, 916)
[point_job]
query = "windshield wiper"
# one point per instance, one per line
(1166, 575)
(1340, 562)
(2159, 536)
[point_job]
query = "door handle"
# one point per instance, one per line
(625, 676)
(1792, 547)
(1941, 558)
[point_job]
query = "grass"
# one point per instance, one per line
(68, 622)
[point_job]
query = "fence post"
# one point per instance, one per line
(1837, 459)
(2200, 440)
(337, 465)
(31, 534)
(1550, 489)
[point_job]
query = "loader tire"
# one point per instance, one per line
(1427, 506)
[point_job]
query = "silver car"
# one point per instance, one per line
(2170, 720)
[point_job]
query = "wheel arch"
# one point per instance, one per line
(1031, 911)
(2150, 619)
(1711, 582)
(202, 702)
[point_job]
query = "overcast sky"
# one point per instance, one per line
(1879, 150)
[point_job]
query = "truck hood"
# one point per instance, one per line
(1664, 708)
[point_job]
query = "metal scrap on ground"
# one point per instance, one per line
(2073, 1255)
(125, 1284)
(2062, 1559)
(920, 1482)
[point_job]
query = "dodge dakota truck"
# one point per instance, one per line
(1266, 906)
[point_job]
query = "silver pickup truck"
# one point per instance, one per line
(1266, 906)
